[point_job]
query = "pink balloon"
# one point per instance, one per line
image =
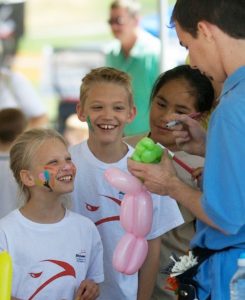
(143, 214)
(129, 254)
(127, 212)
(123, 181)
(136, 213)
(136, 218)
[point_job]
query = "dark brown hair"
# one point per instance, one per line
(12, 123)
(228, 15)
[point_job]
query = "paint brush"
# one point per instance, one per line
(177, 160)
(176, 122)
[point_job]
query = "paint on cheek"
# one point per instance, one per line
(52, 174)
(89, 123)
(47, 178)
(43, 180)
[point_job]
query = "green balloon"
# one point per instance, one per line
(148, 156)
(159, 151)
(148, 143)
(140, 148)
(147, 151)
(136, 157)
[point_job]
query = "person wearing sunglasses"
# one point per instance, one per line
(137, 53)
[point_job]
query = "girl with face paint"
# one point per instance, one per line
(47, 260)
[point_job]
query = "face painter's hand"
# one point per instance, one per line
(156, 177)
(197, 175)
(189, 135)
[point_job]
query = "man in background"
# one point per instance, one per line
(136, 52)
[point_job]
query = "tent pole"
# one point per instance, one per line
(163, 12)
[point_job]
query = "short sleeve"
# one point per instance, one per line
(95, 270)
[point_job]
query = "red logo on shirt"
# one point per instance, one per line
(68, 270)
(93, 208)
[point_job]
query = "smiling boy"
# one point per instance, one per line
(106, 103)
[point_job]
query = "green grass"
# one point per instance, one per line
(36, 45)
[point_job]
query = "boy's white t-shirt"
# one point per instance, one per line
(95, 198)
(51, 260)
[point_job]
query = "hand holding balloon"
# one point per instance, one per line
(147, 151)
(136, 208)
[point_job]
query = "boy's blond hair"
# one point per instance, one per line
(106, 75)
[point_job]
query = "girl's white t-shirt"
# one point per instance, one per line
(51, 260)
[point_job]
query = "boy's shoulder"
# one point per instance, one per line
(76, 217)
(134, 139)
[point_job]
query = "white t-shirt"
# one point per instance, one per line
(95, 198)
(8, 187)
(51, 260)
(17, 92)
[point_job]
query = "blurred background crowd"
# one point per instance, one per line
(54, 44)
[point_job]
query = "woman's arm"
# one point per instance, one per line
(149, 270)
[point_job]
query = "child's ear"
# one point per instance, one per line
(132, 114)
(80, 113)
(27, 178)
